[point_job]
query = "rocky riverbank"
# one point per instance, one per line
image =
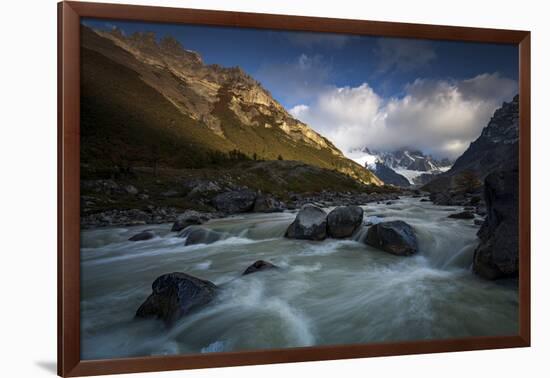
(144, 196)
(242, 200)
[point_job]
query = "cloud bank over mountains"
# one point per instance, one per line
(439, 117)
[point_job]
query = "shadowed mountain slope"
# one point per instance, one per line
(152, 103)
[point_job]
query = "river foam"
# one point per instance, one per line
(329, 292)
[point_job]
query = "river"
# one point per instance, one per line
(329, 292)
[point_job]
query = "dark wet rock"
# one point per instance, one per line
(187, 219)
(463, 215)
(475, 200)
(343, 221)
(236, 201)
(259, 266)
(200, 235)
(424, 200)
(143, 235)
(267, 204)
(478, 222)
(175, 295)
(497, 255)
(310, 223)
(396, 237)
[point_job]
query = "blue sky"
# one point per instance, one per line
(310, 72)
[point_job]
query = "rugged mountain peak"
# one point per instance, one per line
(412, 159)
(504, 125)
(171, 45)
(199, 87)
(141, 40)
(117, 32)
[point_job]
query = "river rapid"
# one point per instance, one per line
(329, 292)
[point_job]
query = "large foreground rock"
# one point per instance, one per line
(396, 237)
(310, 224)
(343, 221)
(189, 218)
(498, 253)
(259, 266)
(200, 235)
(236, 201)
(175, 295)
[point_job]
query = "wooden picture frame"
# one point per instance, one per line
(69, 15)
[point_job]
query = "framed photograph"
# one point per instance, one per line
(239, 188)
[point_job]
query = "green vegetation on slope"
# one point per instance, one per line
(126, 123)
(174, 187)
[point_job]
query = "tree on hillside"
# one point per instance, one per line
(155, 158)
(280, 157)
(468, 181)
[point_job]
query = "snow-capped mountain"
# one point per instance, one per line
(411, 164)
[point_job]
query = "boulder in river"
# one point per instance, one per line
(267, 204)
(259, 266)
(143, 235)
(463, 215)
(175, 295)
(235, 201)
(200, 235)
(343, 221)
(497, 255)
(396, 237)
(310, 224)
(190, 217)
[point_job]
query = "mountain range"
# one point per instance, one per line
(146, 101)
(401, 167)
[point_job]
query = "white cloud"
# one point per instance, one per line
(437, 117)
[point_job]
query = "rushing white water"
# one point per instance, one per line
(329, 292)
